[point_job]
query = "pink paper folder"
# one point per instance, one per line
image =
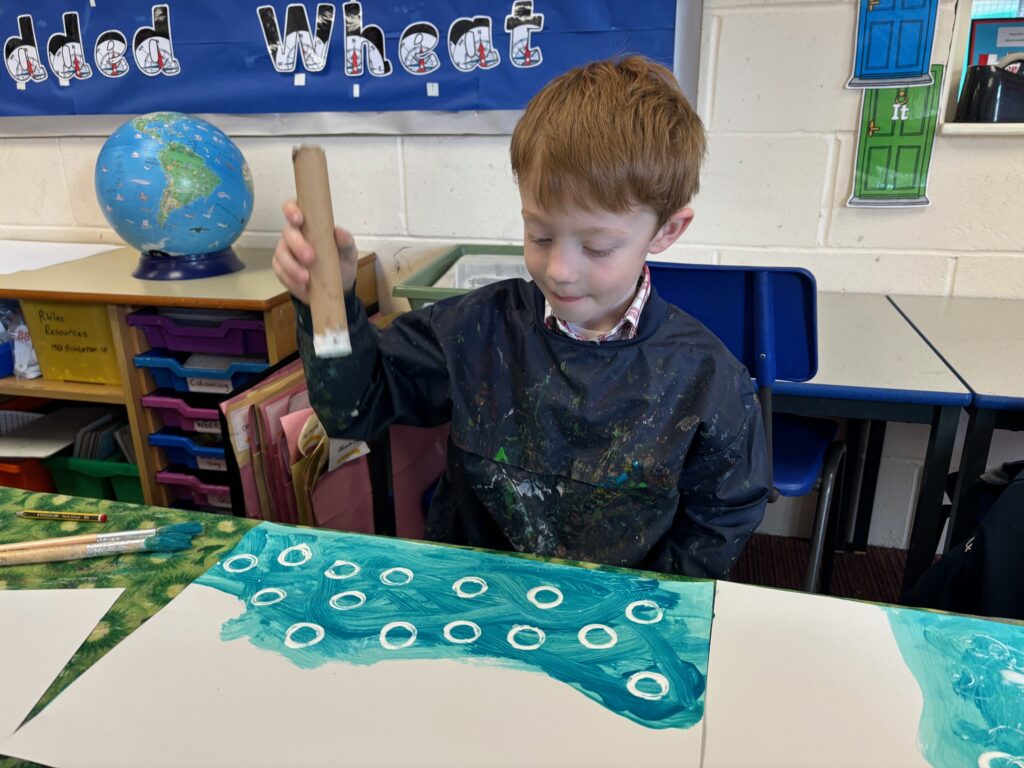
(276, 467)
(342, 499)
(291, 427)
(417, 459)
(237, 411)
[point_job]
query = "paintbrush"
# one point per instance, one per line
(169, 538)
(95, 538)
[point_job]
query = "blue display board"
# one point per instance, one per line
(244, 56)
(997, 37)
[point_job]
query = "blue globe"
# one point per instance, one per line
(174, 185)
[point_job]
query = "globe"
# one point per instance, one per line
(178, 189)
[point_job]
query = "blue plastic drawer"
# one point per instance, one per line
(194, 451)
(178, 371)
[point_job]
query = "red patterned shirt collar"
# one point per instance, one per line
(626, 328)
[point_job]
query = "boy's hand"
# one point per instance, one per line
(294, 255)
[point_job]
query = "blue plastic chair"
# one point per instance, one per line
(767, 317)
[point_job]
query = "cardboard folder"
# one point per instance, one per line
(241, 413)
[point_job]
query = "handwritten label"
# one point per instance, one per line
(73, 342)
(240, 429)
(207, 426)
(197, 384)
(218, 465)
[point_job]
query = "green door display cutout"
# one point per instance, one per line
(897, 130)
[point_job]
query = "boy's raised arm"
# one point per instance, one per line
(397, 377)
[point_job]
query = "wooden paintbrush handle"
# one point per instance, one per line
(85, 538)
(326, 290)
(71, 552)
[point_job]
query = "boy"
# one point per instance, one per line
(590, 420)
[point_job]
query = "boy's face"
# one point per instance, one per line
(587, 262)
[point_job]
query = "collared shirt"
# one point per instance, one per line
(626, 328)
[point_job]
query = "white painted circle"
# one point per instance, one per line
(460, 623)
(987, 759)
(457, 587)
(532, 597)
(251, 562)
(661, 680)
(611, 635)
(303, 625)
(337, 605)
(278, 596)
(395, 625)
(302, 549)
(385, 577)
(330, 573)
(525, 646)
(644, 604)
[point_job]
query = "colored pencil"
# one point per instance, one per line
(169, 538)
(81, 517)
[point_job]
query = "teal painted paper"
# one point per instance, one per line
(971, 674)
(321, 596)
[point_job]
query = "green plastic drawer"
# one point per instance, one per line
(96, 479)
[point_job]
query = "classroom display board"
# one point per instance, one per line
(77, 57)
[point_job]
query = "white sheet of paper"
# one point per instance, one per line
(42, 629)
(52, 433)
(804, 680)
(174, 693)
(18, 255)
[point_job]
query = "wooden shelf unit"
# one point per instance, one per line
(63, 390)
(106, 279)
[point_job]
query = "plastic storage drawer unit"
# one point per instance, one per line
(229, 336)
(195, 451)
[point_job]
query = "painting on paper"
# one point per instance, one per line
(316, 643)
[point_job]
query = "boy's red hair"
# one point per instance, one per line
(612, 134)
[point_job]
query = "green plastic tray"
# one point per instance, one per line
(96, 479)
(419, 289)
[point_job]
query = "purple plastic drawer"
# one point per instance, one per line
(178, 414)
(191, 488)
(231, 336)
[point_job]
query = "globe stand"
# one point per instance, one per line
(157, 265)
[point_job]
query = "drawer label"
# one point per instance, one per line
(205, 462)
(207, 425)
(222, 501)
(199, 384)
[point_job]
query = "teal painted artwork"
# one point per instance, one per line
(633, 644)
(971, 674)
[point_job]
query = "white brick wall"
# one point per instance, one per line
(782, 142)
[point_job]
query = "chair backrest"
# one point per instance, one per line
(766, 316)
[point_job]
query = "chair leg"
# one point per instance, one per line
(823, 521)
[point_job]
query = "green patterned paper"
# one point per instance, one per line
(150, 581)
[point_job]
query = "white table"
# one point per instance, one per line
(982, 340)
(873, 367)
